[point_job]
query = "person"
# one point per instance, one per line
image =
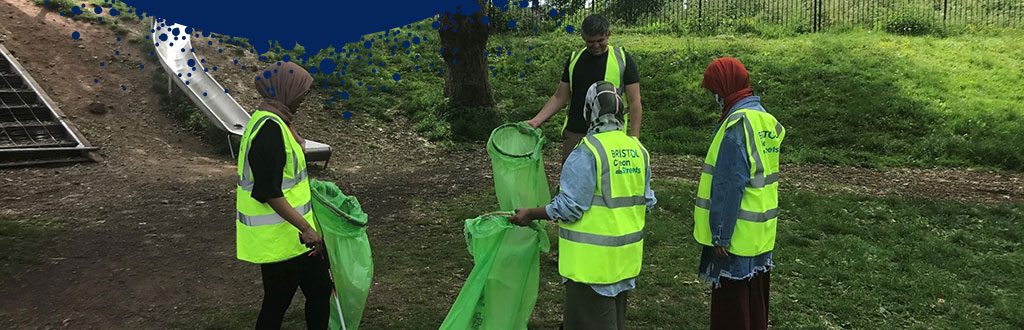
(737, 201)
(597, 62)
(274, 223)
(606, 195)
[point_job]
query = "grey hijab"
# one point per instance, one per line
(603, 108)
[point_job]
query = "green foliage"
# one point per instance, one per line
(913, 20)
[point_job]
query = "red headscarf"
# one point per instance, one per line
(729, 79)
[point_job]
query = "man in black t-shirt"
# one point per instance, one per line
(584, 68)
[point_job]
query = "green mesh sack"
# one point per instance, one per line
(516, 159)
(501, 290)
(343, 226)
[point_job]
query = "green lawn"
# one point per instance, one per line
(859, 98)
(846, 261)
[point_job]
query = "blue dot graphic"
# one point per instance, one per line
(347, 114)
(266, 74)
(569, 28)
(415, 40)
(101, 63)
(75, 35)
(191, 62)
(368, 44)
(485, 20)
(406, 44)
(512, 24)
(117, 53)
(214, 68)
(553, 13)
(344, 95)
(435, 25)
(118, 38)
(236, 61)
(124, 88)
(397, 77)
(328, 65)
(96, 81)
(114, 12)
(176, 31)
(286, 58)
(98, 10)
(204, 93)
(142, 66)
(225, 90)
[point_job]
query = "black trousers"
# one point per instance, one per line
(741, 304)
(279, 282)
(585, 309)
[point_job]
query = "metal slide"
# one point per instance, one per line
(219, 107)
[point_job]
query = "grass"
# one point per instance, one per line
(859, 263)
(853, 97)
(24, 242)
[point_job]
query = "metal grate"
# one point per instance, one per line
(31, 131)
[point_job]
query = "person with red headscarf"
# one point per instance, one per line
(737, 202)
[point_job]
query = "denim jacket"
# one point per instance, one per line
(731, 174)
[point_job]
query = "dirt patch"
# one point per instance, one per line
(970, 186)
(150, 236)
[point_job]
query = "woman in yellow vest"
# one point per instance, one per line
(737, 201)
(606, 193)
(274, 222)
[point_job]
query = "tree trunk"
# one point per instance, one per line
(463, 41)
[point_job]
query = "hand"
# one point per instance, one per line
(721, 252)
(521, 218)
(310, 238)
(533, 123)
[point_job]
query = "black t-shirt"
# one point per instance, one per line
(266, 160)
(589, 70)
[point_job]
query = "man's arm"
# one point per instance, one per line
(555, 103)
(635, 108)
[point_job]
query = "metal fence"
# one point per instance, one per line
(801, 15)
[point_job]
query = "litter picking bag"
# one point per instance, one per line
(519, 179)
(501, 290)
(343, 227)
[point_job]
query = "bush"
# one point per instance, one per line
(914, 21)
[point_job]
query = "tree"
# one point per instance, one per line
(463, 41)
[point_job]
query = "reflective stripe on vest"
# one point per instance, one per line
(754, 232)
(270, 219)
(602, 240)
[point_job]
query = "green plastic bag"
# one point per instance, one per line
(343, 226)
(501, 290)
(516, 159)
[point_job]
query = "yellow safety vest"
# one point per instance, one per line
(606, 245)
(614, 72)
(263, 236)
(754, 233)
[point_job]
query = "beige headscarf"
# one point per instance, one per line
(283, 85)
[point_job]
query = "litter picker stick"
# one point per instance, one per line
(334, 288)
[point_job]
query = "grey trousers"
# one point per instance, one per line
(585, 309)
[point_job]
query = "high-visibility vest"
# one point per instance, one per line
(263, 236)
(754, 233)
(614, 72)
(606, 245)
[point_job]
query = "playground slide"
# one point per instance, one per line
(208, 95)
